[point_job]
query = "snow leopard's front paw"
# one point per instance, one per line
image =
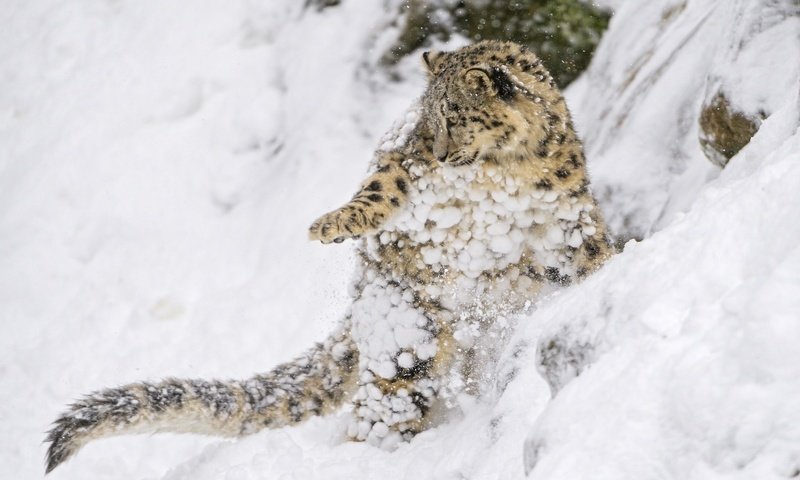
(338, 225)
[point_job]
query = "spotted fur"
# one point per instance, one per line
(472, 208)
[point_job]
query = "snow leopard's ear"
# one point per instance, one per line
(431, 60)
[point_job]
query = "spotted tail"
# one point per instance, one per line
(313, 384)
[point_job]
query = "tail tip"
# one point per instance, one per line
(56, 455)
(62, 444)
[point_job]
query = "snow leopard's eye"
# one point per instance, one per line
(484, 81)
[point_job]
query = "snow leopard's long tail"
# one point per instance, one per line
(313, 384)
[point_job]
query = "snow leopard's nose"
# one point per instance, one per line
(440, 146)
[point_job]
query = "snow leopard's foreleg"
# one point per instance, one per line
(383, 193)
(313, 384)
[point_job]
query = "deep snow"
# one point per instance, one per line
(160, 163)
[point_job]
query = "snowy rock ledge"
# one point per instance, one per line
(648, 107)
(679, 359)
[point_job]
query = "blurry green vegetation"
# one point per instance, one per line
(564, 33)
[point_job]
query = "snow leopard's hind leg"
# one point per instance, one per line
(406, 350)
(316, 383)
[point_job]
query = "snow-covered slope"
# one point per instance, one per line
(160, 163)
(687, 343)
(659, 64)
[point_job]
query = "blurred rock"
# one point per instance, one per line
(561, 357)
(724, 130)
(322, 4)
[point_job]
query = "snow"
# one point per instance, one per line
(638, 104)
(161, 162)
(689, 337)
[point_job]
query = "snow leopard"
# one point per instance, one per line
(475, 205)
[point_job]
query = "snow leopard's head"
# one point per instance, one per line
(487, 100)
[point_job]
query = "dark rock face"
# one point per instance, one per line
(724, 131)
